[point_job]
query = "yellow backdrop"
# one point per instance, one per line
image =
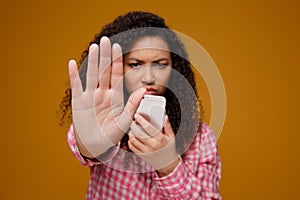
(255, 44)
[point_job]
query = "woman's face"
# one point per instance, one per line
(148, 65)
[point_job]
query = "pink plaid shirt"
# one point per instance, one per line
(196, 176)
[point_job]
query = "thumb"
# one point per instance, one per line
(168, 128)
(125, 119)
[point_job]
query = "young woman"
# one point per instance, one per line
(138, 54)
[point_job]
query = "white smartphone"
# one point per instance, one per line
(152, 108)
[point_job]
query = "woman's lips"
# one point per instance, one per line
(151, 91)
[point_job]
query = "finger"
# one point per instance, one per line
(135, 145)
(72, 67)
(130, 108)
(130, 145)
(104, 63)
(133, 148)
(75, 81)
(138, 131)
(117, 69)
(168, 128)
(92, 70)
(147, 126)
(130, 134)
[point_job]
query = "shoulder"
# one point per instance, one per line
(204, 148)
(204, 134)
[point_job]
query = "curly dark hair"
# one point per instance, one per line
(183, 105)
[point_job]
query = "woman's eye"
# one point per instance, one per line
(160, 65)
(134, 65)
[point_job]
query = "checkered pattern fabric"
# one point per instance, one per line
(196, 176)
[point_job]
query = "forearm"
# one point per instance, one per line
(197, 176)
(83, 151)
(95, 142)
(83, 155)
(183, 184)
(168, 169)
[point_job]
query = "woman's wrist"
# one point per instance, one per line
(168, 169)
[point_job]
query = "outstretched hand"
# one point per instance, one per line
(100, 118)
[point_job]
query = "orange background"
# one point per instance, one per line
(255, 44)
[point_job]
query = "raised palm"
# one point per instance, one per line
(99, 116)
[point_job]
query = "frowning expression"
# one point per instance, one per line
(148, 65)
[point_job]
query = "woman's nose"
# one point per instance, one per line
(148, 77)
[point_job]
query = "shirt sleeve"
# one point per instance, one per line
(198, 174)
(87, 161)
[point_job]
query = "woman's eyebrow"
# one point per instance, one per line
(141, 61)
(135, 59)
